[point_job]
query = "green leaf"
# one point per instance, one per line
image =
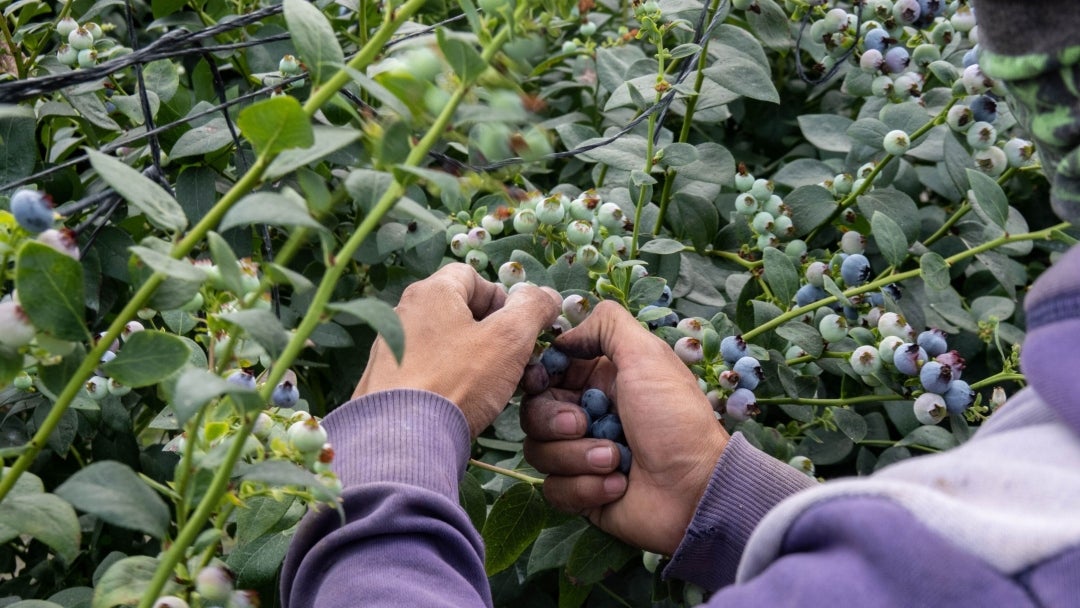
(257, 562)
(226, 262)
(890, 238)
(826, 131)
(315, 41)
(113, 492)
(473, 500)
(895, 205)
(326, 141)
(212, 136)
(770, 23)
(930, 436)
(50, 286)
(196, 387)
(850, 423)
(810, 206)
(595, 555)
(802, 335)
(513, 524)
(273, 208)
(646, 290)
(934, 271)
(278, 123)
(45, 517)
(553, 546)
(826, 447)
(781, 275)
(381, 317)
(177, 269)
(742, 74)
(662, 247)
(261, 326)
(19, 150)
(462, 57)
(160, 208)
(148, 357)
(126, 581)
(989, 199)
(283, 473)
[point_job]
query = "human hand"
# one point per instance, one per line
(669, 426)
(465, 339)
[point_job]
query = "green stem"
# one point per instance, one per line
(902, 276)
(834, 402)
(16, 55)
(536, 481)
(965, 207)
(889, 444)
(727, 255)
(998, 378)
(314, 314)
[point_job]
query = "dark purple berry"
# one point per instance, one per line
(595, 403)
(625, 458)
(554, 361)
(984, 109)
(607, 427)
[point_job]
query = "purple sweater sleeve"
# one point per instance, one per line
(405, 540)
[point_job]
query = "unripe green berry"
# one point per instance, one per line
(477, 259)
(525, 221)
(511, 273)
(307, 436)
(80, 39)
(896, 142)
(579, 232)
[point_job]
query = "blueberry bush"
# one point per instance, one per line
(210, 207)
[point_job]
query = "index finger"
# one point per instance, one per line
(481, 296)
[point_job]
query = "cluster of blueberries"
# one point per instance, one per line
(602, 422)
(84, 45)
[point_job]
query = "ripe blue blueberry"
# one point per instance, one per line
(984, 109)
(32, 210)
(896, 60)
(933, 342)
(741, 405)
(958, 397)
(893, 290)
(285, 394)
(554, 361)
(877, 40)
(908, 358)
(808, 294)
(669, 320)
(749, 370)
(665, 297)
(733, 348)
(935, 377)
(855, 270)
(243, 379)
(625, 458)
(595, 403)
(607, 427)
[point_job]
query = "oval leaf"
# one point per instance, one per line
(781, 275)
(515, 521)
(890, 238)
(50, 286)
(148, 357)
(381, 317)
(276, 124)
(990, 201)
(160, 208)
(45, 517)
(597, 554)
(934, 271)
(113, 492)
(125, 582)
(268, 208)
(314, 40)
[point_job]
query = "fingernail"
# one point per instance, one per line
(615, 484)
(601, 458)
(565, 423)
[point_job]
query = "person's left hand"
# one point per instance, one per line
(465, 339)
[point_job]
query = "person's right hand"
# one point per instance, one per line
(669, 425)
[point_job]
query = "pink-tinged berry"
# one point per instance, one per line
(214, 584)
(741, 405)
(689, 350)
(954, 361)
(693, 327)
(307, 435)
(728, 379)
(477, 237)
(170, 601)
(930, 408)
(62, 240)
(244, 598)
(131, 327)
(15, 327)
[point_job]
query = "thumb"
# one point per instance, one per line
(610, 330)
(526, 312)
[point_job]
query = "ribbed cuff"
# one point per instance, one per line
(745, 485)
(405, 436)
